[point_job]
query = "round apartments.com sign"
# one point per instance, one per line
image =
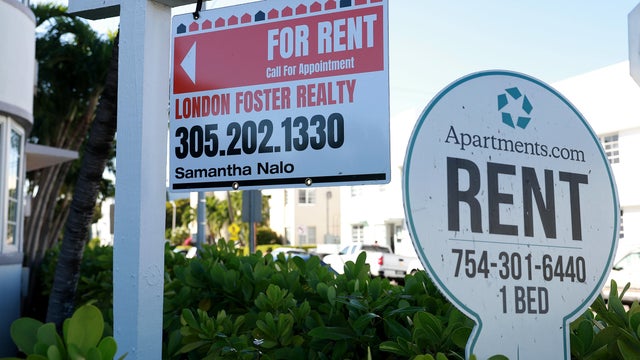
(513, 210)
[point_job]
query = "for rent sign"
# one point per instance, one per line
(513, 210)
(275, 93)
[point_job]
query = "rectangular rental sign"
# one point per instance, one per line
(280, 94)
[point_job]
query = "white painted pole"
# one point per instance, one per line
(143, 94)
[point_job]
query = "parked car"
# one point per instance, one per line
(297, 252)
(626, 270)
(382, 261)
(188, 251)
(414, 264)
(288, 251)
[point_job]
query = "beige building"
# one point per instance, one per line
(307, 216)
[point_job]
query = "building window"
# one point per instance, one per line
(610, 145)
(357, 233)
(306, 196)
(306, 235)
(12, 141)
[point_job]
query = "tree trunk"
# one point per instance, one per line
(76, 234)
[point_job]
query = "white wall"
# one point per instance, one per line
(17, 69)
(17, 58)
(609, 100)
(381, 206)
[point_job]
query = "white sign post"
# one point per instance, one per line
(143, 83)
(512, 208)
(277, 94)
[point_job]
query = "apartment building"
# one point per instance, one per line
(608, 98)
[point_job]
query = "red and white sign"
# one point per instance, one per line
(280, 94)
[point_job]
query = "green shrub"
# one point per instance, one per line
(607, 330)
(222, 305)
(266, 236)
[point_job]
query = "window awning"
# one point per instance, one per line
(41, 156)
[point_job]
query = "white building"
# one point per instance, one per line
(608, 98)
(17, 84)
(375, 213)
(17, 65)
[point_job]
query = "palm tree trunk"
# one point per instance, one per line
(76, 234)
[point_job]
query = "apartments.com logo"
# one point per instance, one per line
(515, 109)
(519, 103)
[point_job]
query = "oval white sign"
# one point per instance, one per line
(512, 208)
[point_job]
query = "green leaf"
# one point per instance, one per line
(108, 347)
(192, 346)
(47, 334)
(40, 349)
(397, 330)
(36, 357)
(189, 319)
(606, 336)
(85, 328)
(94, 354)
(628, 350)
(585, 333)
(331, 295)
(428, 321)
(460, 336)
(331, 333)
(424, 357)
(634, 322)
(24, 334)
(53, 353)
(392, 347)
(364, 321)
(74, 353)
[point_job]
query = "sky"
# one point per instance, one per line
(433, 43)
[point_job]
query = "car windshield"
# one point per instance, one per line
(344, 250)
(630, 262)
(376, 248)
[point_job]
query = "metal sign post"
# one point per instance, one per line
(252, 214)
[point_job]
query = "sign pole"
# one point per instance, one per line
(252, 213)
(143, 83)
(202, 219)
